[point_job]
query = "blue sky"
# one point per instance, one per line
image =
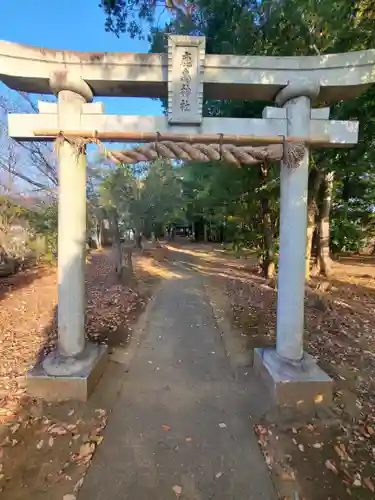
(73, 25)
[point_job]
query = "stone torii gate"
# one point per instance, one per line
(186, 75)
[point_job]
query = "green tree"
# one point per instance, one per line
(313, 28)
(285, 28)
(160, 202)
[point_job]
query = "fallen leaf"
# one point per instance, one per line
(219, 474)
(341, 452)
(369, 484)
(71, 413)
(222, 425)
(96, 439)
(177, 490)
(370, 430)
(301, 447)
(39, 444)
(14, 428)
(331, 466)
(59, 430)
(317, 445)
(86, 449)
(101, 412)
(78, 484)
(188, 439)
(166, 427)
(69, 497)
(288, 475)
(50, 441)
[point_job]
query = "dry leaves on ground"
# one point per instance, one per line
(28, 320)
(340, 334)
(40, 452)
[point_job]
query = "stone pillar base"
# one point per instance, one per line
(303, 386)
(76, 385)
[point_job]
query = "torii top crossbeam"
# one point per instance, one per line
(341, 76)
(187, 76)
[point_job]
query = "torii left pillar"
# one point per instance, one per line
(73, 368)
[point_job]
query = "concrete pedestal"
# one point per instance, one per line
(78, 375)
(301, 385)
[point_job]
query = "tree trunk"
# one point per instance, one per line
(324, 257)
(205, 233)
(116, 243)
(269, 241)
(99, 234)
(315, 180)
(268, 263)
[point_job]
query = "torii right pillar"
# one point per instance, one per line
(293, 376)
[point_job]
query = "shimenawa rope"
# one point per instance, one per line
(290, 153)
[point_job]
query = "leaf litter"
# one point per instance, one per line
(340, 334)
(43, 435)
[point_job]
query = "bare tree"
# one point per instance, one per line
(32, 163)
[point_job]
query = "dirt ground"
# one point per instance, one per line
(46, 448)
(331, 455)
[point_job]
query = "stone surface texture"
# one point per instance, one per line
(302, 385)
(293, 229)
(70, 387)
(71, 225)
(186, 57)
(28, 69)
(335, 134)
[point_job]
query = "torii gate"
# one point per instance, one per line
(186, 75)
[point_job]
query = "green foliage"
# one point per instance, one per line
(285, 29)
(346, 235)
(44, 223)
(145, 202)
(160, 201)
(126, 16)
(118, 191)
(129, 16)
(12, 243)
(9, 212)
(229, 199)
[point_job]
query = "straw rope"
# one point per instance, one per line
(290, 153)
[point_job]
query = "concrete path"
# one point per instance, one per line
(180, 378)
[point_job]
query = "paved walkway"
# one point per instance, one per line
(180, 378)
